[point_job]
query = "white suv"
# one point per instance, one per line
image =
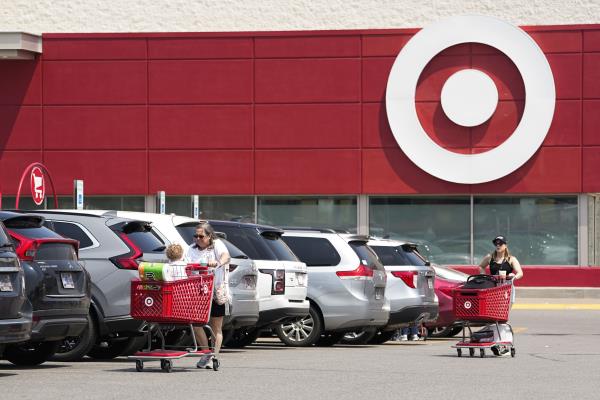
(243, 271)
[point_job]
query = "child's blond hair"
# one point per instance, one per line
(174, 252)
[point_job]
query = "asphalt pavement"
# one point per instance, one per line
(558, 357)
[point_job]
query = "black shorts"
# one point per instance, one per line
(217, 310)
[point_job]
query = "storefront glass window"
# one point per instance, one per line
(315, 212)
(539, 230)
(238, 208)
(441, 226)
(180, 205)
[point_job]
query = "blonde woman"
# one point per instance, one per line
(501, 260)
(207, 247)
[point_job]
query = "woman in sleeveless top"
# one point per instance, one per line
(501, 260)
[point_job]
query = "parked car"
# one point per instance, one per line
(346, 291)
(446, 279)
(15, 308)
(282, 278)
(410, 286)
(243, 272)
(57, 286)
(111, 248)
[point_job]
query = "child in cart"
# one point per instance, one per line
(209, 250)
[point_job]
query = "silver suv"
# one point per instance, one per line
(110, 247)
(410, 286)
(346, 291)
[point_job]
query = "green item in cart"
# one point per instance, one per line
(151, 271)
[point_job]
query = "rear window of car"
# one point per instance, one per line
(147, 241)
(234, 252)
(3, 235)
(55, 251)
(315, 252)
(72, 231)
(36, 233)
(366, 255)
(397, 256)
(256, 246)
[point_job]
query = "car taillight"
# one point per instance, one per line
(127, 260)
(278, 280)
(408, 277)
(363, 272)
(25, 248)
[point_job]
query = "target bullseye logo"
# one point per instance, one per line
(149, 301)
(467, 305)
(205, 289)
(469, 98)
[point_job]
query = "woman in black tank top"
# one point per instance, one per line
(501, 260)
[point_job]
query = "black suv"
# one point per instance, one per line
(57, 286)
(15, 308)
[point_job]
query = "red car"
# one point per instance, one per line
(446, 279)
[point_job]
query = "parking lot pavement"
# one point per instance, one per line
(558, 356)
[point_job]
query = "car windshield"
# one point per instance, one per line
(398, 255)
(257, 246)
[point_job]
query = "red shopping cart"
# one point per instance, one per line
(168, 304)
(487, 306)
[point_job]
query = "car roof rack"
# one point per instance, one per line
(311, 229)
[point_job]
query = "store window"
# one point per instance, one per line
(539, 230)
(316, 212)
(440, 225)
(121, 203)
(179, 205)
(237, 208)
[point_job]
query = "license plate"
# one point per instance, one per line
(379, 293)
(430, 283)
(5, 283)
(67, 280)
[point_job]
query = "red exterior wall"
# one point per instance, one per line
(276, 113)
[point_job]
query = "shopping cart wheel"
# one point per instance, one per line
(471, 352)
(139, 365)
(459, 352)
(166, 365)
(215, 364)
(481, 353)
(513, 351)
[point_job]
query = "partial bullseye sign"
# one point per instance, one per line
(469, 98)
(38, 186)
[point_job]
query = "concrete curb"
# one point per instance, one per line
(557, 293)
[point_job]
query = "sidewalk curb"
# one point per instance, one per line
(558, 292)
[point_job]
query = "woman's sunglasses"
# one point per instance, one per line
(199, 236)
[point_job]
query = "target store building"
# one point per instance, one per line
(446, 136)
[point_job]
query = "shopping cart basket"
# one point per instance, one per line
(477, 307)
(181, 302)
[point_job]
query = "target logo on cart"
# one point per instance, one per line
(149, 301)
(205, 289)
(469, 98)
(467, 305)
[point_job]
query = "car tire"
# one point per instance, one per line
(112, 348)
(444, 331)
(359, 336)
(74, 348)
(381, 337)
(302, 331)
(30, 354)
(242, 338)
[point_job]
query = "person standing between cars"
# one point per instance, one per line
(501, 260)
(207, 247)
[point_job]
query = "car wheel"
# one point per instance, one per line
(242, 338)
(74, 348)
(111, 348)
(302, 331)
(381, 337)
(30, 354)
(360, 336)
(329, 339)
(444, 331)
